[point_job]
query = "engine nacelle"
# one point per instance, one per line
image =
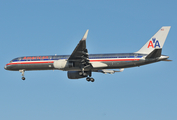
(76, 74)
(61, 64)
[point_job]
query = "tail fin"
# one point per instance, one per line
(156, 42)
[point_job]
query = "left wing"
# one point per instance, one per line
(80, 54)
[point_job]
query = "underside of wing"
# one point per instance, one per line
(106, 71)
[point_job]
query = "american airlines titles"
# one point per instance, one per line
(36, 57)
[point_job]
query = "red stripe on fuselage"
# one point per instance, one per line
(107, 60)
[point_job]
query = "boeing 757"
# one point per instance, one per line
(80, 64)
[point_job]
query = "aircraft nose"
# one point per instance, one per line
(5, 67)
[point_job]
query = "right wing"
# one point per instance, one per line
(105, 71)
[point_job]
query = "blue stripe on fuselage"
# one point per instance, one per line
(91, 56)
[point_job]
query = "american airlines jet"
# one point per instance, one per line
(80, 64)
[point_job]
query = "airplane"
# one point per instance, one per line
(80, 64)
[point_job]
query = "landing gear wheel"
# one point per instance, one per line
(23, 78)
(88, 79)
(92, 80)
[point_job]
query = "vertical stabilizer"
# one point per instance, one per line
(156, 42)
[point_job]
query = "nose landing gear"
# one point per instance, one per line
(23, 72)
(23, 78)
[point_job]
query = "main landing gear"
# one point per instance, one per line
(22, 71)
(90, 79)
(87, 74)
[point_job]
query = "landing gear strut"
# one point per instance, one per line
(89, 78)
(86, 74)
(22, 71)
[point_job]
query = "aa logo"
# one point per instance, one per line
(153, 43)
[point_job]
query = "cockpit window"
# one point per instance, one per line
(10, 61)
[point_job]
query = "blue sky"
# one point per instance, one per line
(39, 27)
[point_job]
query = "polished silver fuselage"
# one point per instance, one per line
(102, 61)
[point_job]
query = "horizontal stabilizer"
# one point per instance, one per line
(167, 60)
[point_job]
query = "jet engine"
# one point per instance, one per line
(77, 74)
(61, 64)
